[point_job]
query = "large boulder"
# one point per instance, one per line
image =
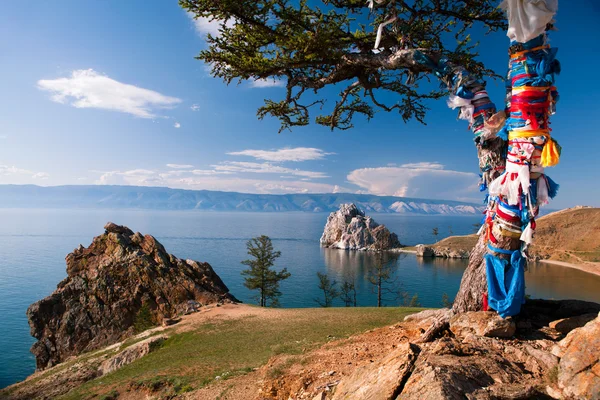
(482, 323)
(122, 282)
(349, 229)
(579, 367)
(381, 380)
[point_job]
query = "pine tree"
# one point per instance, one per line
(260, 276)
(348, 291)
(329, 289)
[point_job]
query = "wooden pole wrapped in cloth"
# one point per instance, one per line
(523, 187)
(514, 146)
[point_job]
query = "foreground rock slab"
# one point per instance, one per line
(122, 282)
(579, 367)
(480, 356)
(349, 229)
(383, 380)
(482, 323)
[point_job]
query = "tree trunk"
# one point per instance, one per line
(474, 280)
(473, 283)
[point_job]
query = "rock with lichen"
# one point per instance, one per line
(122, 283)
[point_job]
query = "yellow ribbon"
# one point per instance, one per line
(517, 134)
(550, 154)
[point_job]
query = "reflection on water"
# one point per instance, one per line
(429, 278)
(547, 281)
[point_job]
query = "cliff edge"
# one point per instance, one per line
(122, 283)
(349, 229)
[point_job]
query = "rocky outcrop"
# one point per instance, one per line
(54, 382)
(122, 282)
(480, 356)
(349, 229)
(389, 374)
(482, 323)
(130, 354)
(442, 252)
(578, 375)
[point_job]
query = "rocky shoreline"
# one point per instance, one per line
(442, 252)
(123, 283)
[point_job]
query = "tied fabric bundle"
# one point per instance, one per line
(531, 99)
(514, 145)
(468, 94)
(519, 192)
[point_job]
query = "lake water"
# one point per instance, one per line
(34, 243)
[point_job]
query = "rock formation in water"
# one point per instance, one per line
(442, 252)
(123, 282)
(349, 229)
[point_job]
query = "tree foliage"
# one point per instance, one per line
(315, 44)
(329, 289)
(382, 275)
(348, 291)
(260, 276)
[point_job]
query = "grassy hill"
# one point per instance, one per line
(212, 346)
(571, 235)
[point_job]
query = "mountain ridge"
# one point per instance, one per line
(162, 198)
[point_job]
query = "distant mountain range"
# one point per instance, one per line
(160, 198)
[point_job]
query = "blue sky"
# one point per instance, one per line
(110, 93)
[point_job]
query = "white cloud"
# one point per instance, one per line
(286, 154)
(422, 180)
(205, 26)
(132, 177)
(195, 107)
(41, 175)
(266, 83)
(423, 165)
(210, 172)
(180, 166)
(265, 168)
(86, 88)
(213, 180)
(12, 171)
(177, 125)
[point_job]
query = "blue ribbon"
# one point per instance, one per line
(506, 281)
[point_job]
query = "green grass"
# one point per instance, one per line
(233, 347)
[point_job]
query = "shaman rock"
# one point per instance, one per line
(349, 229)
(121, 279)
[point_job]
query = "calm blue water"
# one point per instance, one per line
(34, 243)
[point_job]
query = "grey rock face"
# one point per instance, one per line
(349, 229)
(425, 251)
(442, 252)
(108, 283)
(130, 354)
